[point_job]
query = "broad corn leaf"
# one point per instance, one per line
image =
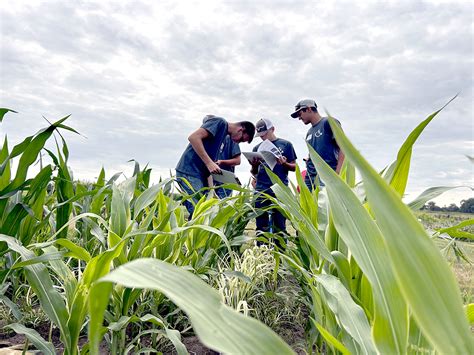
(363, 238)
(217, 325)
(425, 279)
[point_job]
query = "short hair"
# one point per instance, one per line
(249, 129)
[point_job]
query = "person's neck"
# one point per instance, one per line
(272, 137)
(316, 119)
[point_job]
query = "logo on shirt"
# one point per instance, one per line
(318, 133)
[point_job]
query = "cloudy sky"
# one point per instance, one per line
(138, 76)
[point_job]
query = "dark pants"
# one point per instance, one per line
(271, 220)
(311, 180)
(222, 193)
(196, 183)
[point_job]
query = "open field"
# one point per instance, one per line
(115, 266)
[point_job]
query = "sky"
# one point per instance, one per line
(137, 78)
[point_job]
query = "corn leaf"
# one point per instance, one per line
(424, 277)
(364, 239)
(350, 316)
(217, 326)
(33, 336)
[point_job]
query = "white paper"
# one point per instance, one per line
(267, 151)
(227, 177)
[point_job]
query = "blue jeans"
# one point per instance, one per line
(221, 192)
(276, 223)
(310, 181)
(196, 183)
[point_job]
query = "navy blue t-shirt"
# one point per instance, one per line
(190, 163)
(287, 150)
(228, 150)
(321, 138)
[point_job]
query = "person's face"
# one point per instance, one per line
(265, 135)
(240, 136)
(305, 115)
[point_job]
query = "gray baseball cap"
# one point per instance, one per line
(262, 126)
(303, 104)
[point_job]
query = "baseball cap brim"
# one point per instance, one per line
(296, 113)
(259, 134)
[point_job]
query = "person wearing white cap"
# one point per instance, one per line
(320, 137)
(285, 163)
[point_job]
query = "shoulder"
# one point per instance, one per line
(325, 121)
(284, 142)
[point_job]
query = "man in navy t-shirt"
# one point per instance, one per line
(320, 137)
(198, 160)
(285, 163)
(227, 159)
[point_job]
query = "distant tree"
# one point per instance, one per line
(431, 206)
(467, 206)
(452, 208)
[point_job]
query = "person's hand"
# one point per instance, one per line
(219, 162)
(213, 168)
(281, 160)
(254, 182)
(254, 161)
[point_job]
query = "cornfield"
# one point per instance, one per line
(118, 263)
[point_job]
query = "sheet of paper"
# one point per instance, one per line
(268, 157)
(251, 155)
(227, 177)
(267, 151)
(267, 146)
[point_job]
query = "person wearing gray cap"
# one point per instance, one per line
(286, 162)
(198, 160)
(320, 137)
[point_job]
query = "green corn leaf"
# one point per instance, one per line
(365, 241)
(330, 339)
(398, 173)
(424, 277)
(75, 251)
(430, 194)
(175, 337)
(5, 173)
(40, 259)
(3, 111)
(33, 336)
(40, 281)
(12, 222)
(470, 313)
(217, 326)
(455, 232)
(350, 316)
(12, 306)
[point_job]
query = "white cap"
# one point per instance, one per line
(262, 126)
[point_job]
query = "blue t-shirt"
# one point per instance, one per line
(190, 163)
(321, 138)
(228, 150)
(287, 150)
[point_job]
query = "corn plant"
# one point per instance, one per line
(386, 288)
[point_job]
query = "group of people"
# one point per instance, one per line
(215, 146)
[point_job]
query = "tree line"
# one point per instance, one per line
(466, 206)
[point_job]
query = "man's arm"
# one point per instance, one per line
(290, 165)
(229, 162)
(340, 160)
(196, 139)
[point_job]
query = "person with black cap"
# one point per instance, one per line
(320, 137)
(286, 162)
(198, 160)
